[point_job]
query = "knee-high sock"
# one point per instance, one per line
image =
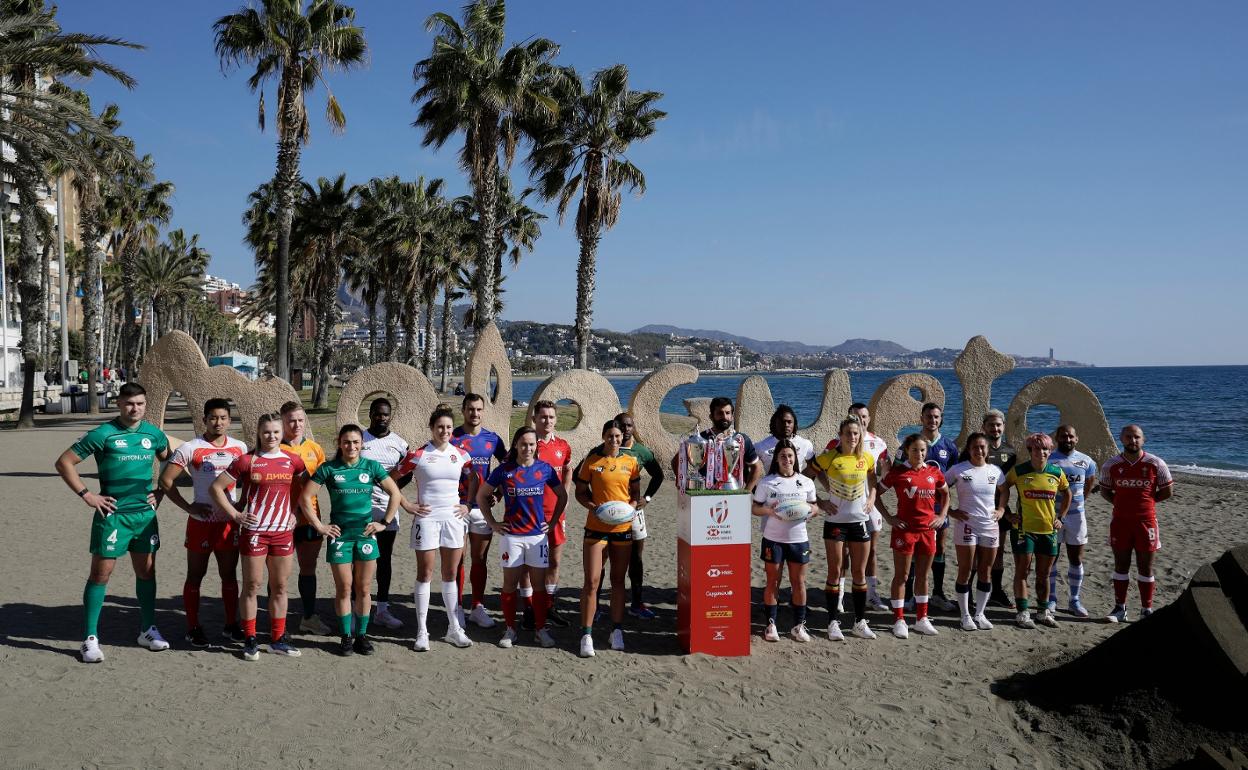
(385, 549)
(859, 596)
(229, 600)
(540, 605)
(450, 600)
(92, 603)
(1122, 582)
(145, 592)
(477, 576)
(920, 606)
(799, 614)
(938, 574)
(526, 598)
(420, 596)
(1147, 584)
(1074, 579)
(307, 595)
(840, 594)
(1053, 582)
(873, 585)
(983, 590)
(509, 608)
(832, 595)
(551, 590)
(963, 591)
(636, 575)
(998, 578)
(190, 603)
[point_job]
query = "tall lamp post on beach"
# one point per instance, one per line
(4, 291)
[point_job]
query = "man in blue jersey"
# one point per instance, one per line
(1080, 472)
(942, 452)
(483, 446)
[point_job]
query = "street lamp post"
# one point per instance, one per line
(4, 291)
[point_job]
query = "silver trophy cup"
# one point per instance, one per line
(732, 453)
(695, 455)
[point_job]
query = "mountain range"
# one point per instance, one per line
(855, 346)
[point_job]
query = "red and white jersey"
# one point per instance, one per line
(267, 480)
(205, 461)
(556, 453)
(437, 474)
(1136, 484)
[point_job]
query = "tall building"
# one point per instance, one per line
(680, 354)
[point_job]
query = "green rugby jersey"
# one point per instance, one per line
(350, 490)
(125, 457)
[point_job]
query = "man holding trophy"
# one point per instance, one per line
(719, 457)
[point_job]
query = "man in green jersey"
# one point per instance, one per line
(125, 450)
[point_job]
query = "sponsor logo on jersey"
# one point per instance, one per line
(121, 443)
(339, 477)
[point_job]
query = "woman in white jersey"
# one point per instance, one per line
(784, 542)
(976, 533)
(440, 522)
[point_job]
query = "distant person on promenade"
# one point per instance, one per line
(1043, 500)
(387, 448)
(1134, 482)
(483, 445)
(877, 447)
(126, 450)
(307, 539)
(784, 542)
(976, 535)
(1003, 456)
(943, 453)
(1081, 473)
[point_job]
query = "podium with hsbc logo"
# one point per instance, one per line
(713, 571)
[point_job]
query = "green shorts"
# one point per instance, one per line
(119, 532)
(1031, 542)
(351, 546)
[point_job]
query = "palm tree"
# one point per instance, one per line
(371, 275)
(469, 84)
(457, 234)
(293, 45)
(584, 152)
(171, 274)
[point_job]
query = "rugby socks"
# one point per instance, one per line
(361, 624)
(1122, 582)
(998, 576)
(277, 627)
(1021, 603)
(636, 573)
(899, 608)
(249, 627)
(540, 604)
(832, 595)
(840, 595)
(1074, 579)
(920, 606)
(145, 592)
(526, 593)
(938, 574)
(1053, 582)
(873, 588)
(859, 596)
(799, 614)
(477, 577)
(773, 611)
(551, 590)
(1147, 584)
(190, 603)
(229, 598)
(344, 624)
(420, 596)
(982, 593)
(509, 608)
(92, 603)
(587, 631)
(963, 590)
(450, 600)
(307, 594)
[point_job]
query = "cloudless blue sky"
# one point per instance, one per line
(1062, 174)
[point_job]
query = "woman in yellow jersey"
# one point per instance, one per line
(307, 540)
(848, 472)
(1043, 499)
(605, 476)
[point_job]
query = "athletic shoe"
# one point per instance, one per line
(281, 647)
(877, 603)
(526, 621)
(862, 630)
(457, 637)
(91, 652)
(834, 632)
(617, 640)
(233, 632)
(251, 650)
(1117, 615)
(968, 623)
(587, 646)
(1051, 605)
(1077, 609)
(362, 645)
(509, 638)
(545, 639)
(900, 630)
(459, 616)
(771, 634)
(383, 617)
(196, 637)
(924, 626)
(982, 623)
(799, 633)
(1047, 618)
(422, 642)
(999, 598)
(152, 640)
(942, 603)
(1146, 611)
(1024, 620)
(345, 648)
(481, 617)
(313, 624)
(641, 611)
(556, 620)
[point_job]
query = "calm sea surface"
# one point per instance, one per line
(1192, 415)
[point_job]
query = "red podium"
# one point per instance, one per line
(713, 572)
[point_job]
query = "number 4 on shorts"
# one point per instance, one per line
(112, 538)
(255, 541)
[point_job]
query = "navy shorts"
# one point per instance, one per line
(595, 536)
(778, 553)
(857, 532)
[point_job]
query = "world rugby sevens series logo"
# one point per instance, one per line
(719, 512)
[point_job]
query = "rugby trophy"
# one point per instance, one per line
(692, 457)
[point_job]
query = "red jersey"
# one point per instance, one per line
(1136, 485)
(916, 492)
(266, 481)
(556, 453)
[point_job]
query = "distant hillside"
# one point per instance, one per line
(870, 347)
(774, 347)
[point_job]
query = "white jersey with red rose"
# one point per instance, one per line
(205, 460)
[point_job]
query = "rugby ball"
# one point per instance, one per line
(793, 510)
(615, 512)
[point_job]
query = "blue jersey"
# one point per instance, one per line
(480, 448)
(942, 453)
(524, 489)
(1078, 468)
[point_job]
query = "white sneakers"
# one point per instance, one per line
(457, 637)
(900, 630)
(834, 632)
(1117, 615)
(1146, 611)
(1024, 620)
(459, 616)
(968, 623)
(617, 640)
(422, 642)
(481, 617)
(1048, 618)
(771, 634)
(1077, 609)
(383, 617)
(877, 603)
(799, 633)
(509, 638)
(924, 626)
(544, 638)
(90, 651)
(152, 640)
(862, 630)
(983, 623)
(587, 646)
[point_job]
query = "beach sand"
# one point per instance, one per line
(923, 702)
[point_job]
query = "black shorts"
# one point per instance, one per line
(307, 534)
(857, 532)
(779, 553)
(609, 537)
(1004, 525)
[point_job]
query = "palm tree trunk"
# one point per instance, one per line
(392, 324)
(485, 193)
(131, 332)
(444, 343)
(44, 332)
(411, 317)
(285, 181)
(29, 288)
(586, 272)
(372, 327)
(426, 354)
(324, 342)
(90, 230)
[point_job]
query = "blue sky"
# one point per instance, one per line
(1061, 174)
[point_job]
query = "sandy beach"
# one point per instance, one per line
(858, 703)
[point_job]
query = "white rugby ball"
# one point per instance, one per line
(793, 510)
(615, 512)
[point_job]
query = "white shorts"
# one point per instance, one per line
(525, 551)
(875, 523)
(976, 533)
(1074, 530)
(429, 533)
(639, 526)
(477, 524)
